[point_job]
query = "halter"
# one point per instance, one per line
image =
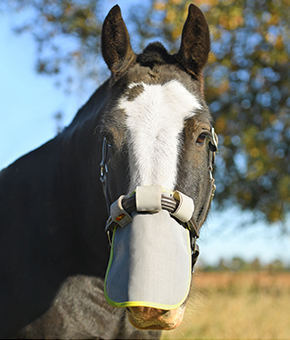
(169, 200)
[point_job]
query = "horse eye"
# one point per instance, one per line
(200, 139)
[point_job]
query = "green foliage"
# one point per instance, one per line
(67, 35)
(247, 80)
(247, 85)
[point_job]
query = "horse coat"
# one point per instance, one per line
(53, 249)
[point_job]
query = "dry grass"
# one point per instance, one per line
(237, 306)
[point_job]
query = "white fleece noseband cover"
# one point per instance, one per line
(150, 259)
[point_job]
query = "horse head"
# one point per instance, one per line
(156, 169)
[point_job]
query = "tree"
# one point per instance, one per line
(67, 36)
(248, 85)
(247, 80)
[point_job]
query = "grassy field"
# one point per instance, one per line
(243, 305)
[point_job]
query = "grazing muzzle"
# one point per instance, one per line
(150, 262)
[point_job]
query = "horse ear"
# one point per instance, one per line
(116, 47)
(195, 42)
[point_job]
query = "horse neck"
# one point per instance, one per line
(82, 189)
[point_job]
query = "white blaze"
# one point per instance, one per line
(155, 119)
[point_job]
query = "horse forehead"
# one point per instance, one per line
(158, 104)
(154, 119)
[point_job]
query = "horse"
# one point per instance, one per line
(137, 161)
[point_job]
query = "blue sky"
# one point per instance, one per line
(28, 103)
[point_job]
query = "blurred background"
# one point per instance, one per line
(50, 64)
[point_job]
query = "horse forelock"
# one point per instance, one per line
(155, 54)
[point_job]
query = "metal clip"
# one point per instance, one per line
(214, 139)
(103, 164)
(109, 238)
(210, 174)
(194, 253)
(193, 245)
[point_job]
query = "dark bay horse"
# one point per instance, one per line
(149, 127)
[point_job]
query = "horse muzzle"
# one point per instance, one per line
(149, 270)
(156, 319)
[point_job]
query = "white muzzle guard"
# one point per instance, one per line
(150, 259)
